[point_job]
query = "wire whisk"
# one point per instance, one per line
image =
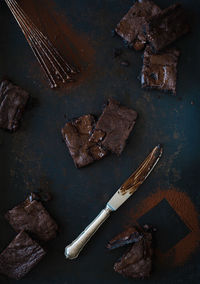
(55, 67)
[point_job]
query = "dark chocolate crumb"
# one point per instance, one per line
(45, 196)
(39, 195)
(130, 45)
(113, 33)
(125, 63)
(126, 43)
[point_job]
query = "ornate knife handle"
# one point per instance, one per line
(72, 251)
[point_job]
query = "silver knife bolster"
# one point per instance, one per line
(72, 251)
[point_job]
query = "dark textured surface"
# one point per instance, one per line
(35, 154)
(165, 219)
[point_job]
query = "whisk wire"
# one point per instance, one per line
(53, 64)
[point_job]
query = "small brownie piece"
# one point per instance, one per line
(129, 236)
(166, 27)
(159, 70)
(20, 256)
(32, 217)
(137, 262)
(76, 135)
(130, 28)
(114, 126)
(13, 100)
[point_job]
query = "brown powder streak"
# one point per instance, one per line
(186, 210)
(74, 47)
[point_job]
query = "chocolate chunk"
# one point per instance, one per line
(13, 100)
(20, 256)
(32, 217)
(130, 28)
(165, 27)
(39, 195)
(76, 135)
(125, 63)
(160, 70)
(114, 126)
(137, 262)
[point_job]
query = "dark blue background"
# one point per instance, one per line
(36, 153)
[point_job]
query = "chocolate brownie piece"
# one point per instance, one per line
(32, 217)
(13, 100)
(130, 28)
(160, 70)
(76, 135)
(137, 262)
(20, 256)
(114, 126)
(129, 236)
(165, 27)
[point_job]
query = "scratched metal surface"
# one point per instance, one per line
(35, 155)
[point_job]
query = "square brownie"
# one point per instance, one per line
(114, 127)
(76, 135)
(159, 70)
(137, 261)
(130, 28)
(20, 256)
(165, 27)
(32, 217)
(13, 100)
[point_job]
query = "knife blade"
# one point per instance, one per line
(123, 193)
(136, 179)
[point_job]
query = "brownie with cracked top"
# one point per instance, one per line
(32, 217)
(114, 127)
(76, 135)
(130, 28)
(159, 70)
(13, 100)
(21, 255)
(137, 261)
(167, 26)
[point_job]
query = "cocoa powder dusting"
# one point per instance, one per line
(74, 47)
(186, 210)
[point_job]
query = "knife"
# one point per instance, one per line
(123, 193)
